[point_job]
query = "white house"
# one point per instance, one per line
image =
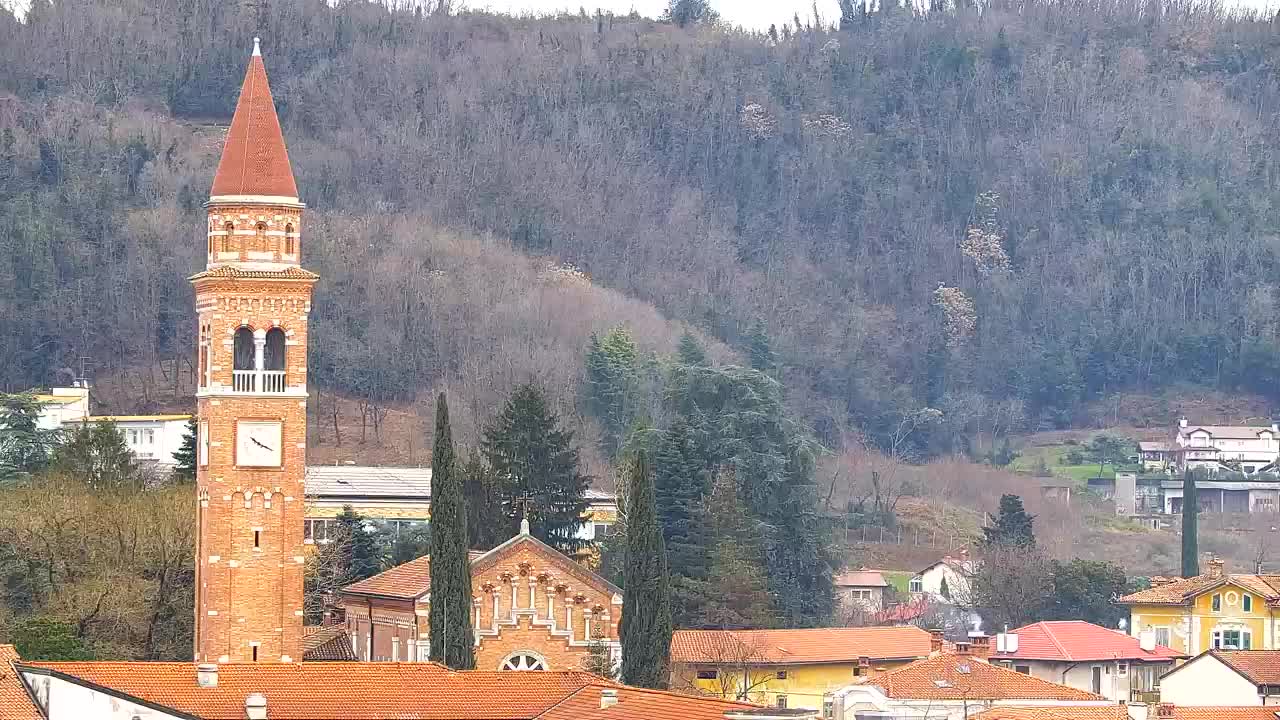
(1241, 448)
(945, 581)
(152, 439)
(1117, 666)
(951, 687)
(63, 405)
(1225, 677)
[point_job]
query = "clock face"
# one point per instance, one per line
(258, 443)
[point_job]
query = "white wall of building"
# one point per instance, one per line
(1207, 681)
(154, 439)
(957, 583)
(63, 405)
(63, 700)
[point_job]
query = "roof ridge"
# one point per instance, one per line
(1053, 638)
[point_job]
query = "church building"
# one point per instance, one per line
(533, 609)
(252, 301)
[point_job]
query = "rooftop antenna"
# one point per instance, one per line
(82, 381)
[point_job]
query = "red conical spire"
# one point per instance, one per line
(254, 160)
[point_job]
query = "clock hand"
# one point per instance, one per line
(259, 444)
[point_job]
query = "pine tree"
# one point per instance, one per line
(24, 446)
(737, 595)
(487, 526)
(689, 351)
(1013, 527)
(645, 628)
(612, 381)
(452, 639)
(800, 554)
(97, 453)
(760, 348)
(185, 458)
(532, 457)
(682, 483)
(1190, 529)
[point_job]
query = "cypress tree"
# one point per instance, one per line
(452, 641)
(1013, 526)
(1190, 513)
(645, 628)
(682, 484)
(185, 458)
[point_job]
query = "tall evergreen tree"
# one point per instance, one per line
(737, 594)
(452, 639)
(185, 458)
(1190, 528)
(800, 570)
(613, 371)
(689, 351)
(97, 453)
(487, 525)
(645, 628)
(682, 483)
(357, 540)
(24, 446)
(1013, 527)
(536, 465)
(760, 348)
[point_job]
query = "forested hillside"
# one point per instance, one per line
(996, 212)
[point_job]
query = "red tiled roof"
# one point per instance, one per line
(860, 578)
(982, 681)
(1183, 591)
(334, 691)
(254, 159)
(326, 642)
(1260, 666)
(1031, 712)
(640, 704)
(15, 704)
(786, 647)
(903, 612)
(1078, 641)
(1219, 712)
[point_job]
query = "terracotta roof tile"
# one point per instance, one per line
(254, 159)
(1078, 641)
(407, 581)
(1220, 712)
(334, 691)
(640, 704)
(1029, 712)
(1260, 666)
(983, 681)
(326, 642)
(15, 704)
(814, 645)
(860, 578)
(231, 271)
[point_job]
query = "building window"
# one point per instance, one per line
(781, 701)
(1024, 669)
(242, 349)
(523, 660)
(600, 531)
(1231, 640)
(708, 674)
(1216, 603)
(1122, 669)
(289, 248)
(316, 530)
(230, 230)
(860, 596)
(1162, 636)
(828, 708)
(1247, 602)
(204, 444)
(782, 675)
(916, 585)
(273, 352)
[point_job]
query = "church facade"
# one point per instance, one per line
(532, 609)
(252, 302)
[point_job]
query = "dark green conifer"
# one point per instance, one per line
(1013, 527)
(185, 458)
(682, 483)
(645, 628)
(452, 640)
(1190, 514)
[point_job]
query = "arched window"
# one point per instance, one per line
(244, 349)
(230, 229)
(260, 240)
(523, 660)
(273, 353)
(290, 248)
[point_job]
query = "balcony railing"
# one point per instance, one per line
(257, 381)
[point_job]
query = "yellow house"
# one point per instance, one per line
(1209, 611)
(789, 668)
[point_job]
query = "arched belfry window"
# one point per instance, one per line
(260, 240)
(244, 349)
(230, 229)
(273, 353)
(290, 242)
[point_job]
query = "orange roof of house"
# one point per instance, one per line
(15, 703)
(1262, 667)
(1218, 712)
(968, 677)
(860, 578)
(1078, 641)
(1183, 591)
(332, 691)
(254, 159)
(326, 642)
(1079, 712)
(787, 647)
(641, 704)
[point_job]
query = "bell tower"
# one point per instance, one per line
(252, 302)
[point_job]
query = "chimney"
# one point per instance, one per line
(964, 648)
(207, 675)
(1147, 641)
(981, 645)
(1164, 710)
(1215, 567)
(255, 706)
(936, 641)
(1182, 423)
(608, 698)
